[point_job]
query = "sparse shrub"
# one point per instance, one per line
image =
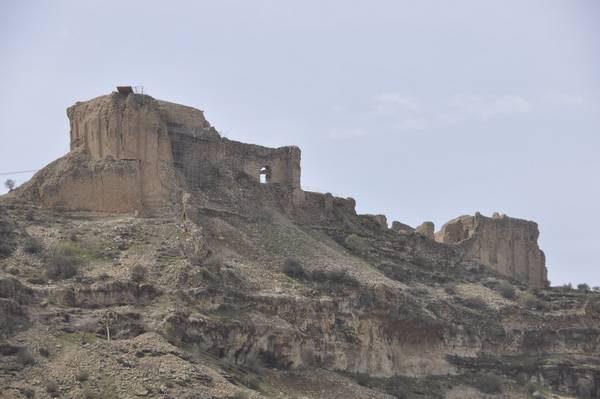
(270, 360)
(356, 244)
(567, 287)
(44, 352)
(62, 262)
(583, 287)
(73, 236)
(293, 268)
(530, 387)
(507, 290)
(196, 260)
(239, 395)
(183, 296)
(362, 379)
(169, 384)
(138, 273)
(487, 383)
(532, 302)
(24, 357)
(450, 288)
(253, 364)
(28, 393)
(32, 245)
(39, 280)
(491, 282)
(82, 376)
(251, 381)
(30, 215)
(6, 249)
(475, 303)
(326, 360)
(417, 291)
(52, 387)
(213, 262)
(334, 277)
(536, 291)
(398, 390)
(10, 184)
(207, 275)
(341, 277)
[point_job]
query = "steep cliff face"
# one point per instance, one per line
(504, 244)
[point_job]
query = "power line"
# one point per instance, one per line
(17, 172)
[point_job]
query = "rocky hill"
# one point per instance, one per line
(160, 260)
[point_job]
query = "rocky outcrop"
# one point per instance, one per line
(426, 229)
(401, 227)
(106, 294)
(381, 220)
(504, 244)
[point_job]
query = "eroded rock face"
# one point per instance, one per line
(343, 335)
(401, 227)
(504, 244)
(193, 242)
(106, 294)
(13, 296)
(426, 229)
(381, 220)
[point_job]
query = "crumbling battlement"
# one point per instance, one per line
(504, 244)
(164, 137)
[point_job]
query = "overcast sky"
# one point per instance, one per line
(420, 110)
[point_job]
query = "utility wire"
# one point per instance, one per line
(17, 172)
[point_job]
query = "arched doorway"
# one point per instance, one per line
(264, 174)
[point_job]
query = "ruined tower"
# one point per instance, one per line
(131, 148)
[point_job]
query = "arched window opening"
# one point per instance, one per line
(265, 174)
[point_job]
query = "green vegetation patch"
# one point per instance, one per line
(75, 337)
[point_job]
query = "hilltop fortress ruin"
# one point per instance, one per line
(131, 153)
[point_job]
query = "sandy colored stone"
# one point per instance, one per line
(504, 244)
(137, 154)
(399, 226)
(426, 229)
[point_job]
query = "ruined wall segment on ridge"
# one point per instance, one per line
(78, 182)
(505, 244)
(126, 127)
(197, 156)
(166, 147)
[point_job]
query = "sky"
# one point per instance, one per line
(420, 110)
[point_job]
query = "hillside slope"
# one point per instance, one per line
(237, 293)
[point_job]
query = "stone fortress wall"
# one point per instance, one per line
(127, 149)
(162, 136)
